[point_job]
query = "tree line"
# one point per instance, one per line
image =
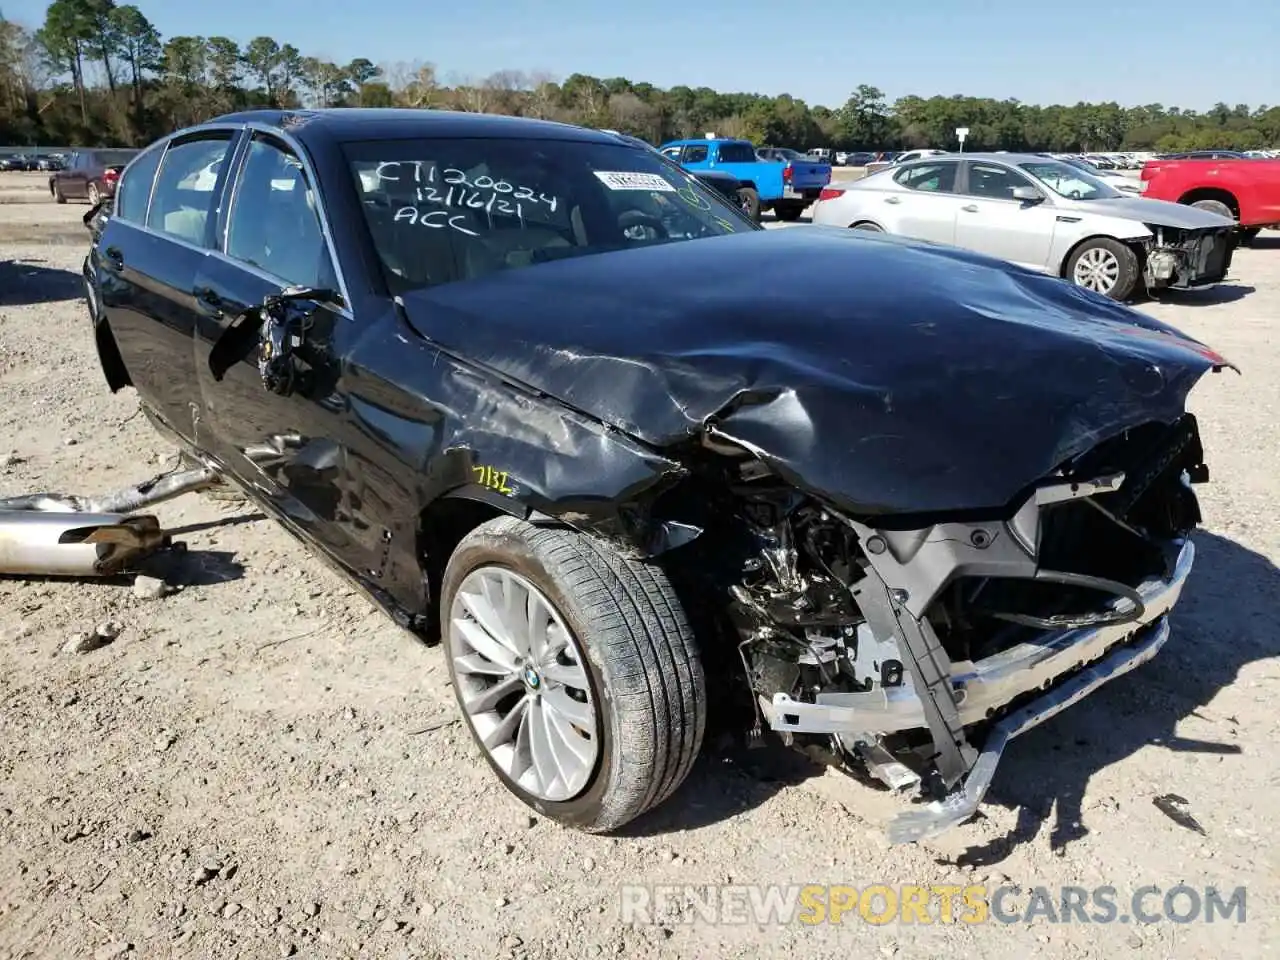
(98, 73)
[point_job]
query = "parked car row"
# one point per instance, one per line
(33, 161)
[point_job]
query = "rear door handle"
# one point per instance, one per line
(892, 200)
(970, 208)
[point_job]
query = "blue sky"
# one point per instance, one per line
(1177, 52)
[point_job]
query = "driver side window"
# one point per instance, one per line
(274, 224)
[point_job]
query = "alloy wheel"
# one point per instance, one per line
(522, 681)
(1097, 269)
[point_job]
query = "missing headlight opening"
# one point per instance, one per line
(913, 653)
(1184, 258)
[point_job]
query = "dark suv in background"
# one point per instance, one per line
(89, 175)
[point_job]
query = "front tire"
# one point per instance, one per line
(94, 194)
(1104, 266)
(57, 193)
(575, 669)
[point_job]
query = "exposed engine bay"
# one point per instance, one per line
(1182, 259)
(913, 651)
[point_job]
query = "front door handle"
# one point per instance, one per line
(209, 297)
(970, 208)
(892, 200)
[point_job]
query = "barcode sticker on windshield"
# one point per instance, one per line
(625, 180)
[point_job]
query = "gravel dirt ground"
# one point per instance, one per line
(261, 764)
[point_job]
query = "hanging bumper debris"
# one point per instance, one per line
(59, 535)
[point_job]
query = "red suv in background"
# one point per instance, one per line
(90, 174)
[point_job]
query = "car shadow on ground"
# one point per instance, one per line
(1222, 293)
(24, 282)
(1045, 773)
(180, 567)
(1264, 243)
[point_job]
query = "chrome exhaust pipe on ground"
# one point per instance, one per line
(44, 543)
(60, 535)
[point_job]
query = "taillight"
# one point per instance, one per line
(830, 193)
(786, 173)
(111, 175)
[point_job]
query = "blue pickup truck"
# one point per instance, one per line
(785, 184)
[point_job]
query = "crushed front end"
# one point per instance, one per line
(914, 650)
(1183, 259)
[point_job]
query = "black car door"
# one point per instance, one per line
(148, 258)
(286, 443)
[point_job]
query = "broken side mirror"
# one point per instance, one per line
(285, 322)
(296, 293)
(279, 326)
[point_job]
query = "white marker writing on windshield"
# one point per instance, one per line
(436, 219)
(415, 171)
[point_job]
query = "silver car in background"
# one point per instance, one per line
(1040, 213)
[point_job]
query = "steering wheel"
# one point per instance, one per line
(638, 225)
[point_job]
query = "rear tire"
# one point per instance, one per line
(1104, 266)
(629, 667)
(749, 202)
(57, 194)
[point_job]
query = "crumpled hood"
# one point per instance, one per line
(887, 375)
(1162, 212)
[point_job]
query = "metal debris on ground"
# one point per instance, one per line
(1171, 805)
(60, 535)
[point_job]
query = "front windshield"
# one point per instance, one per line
(1068, 181)
(443, 210)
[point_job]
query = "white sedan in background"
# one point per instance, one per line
(1040, 213)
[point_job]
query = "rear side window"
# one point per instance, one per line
(737, 153)
(695, 154)
(135, 187)
(182, 201)
(928, 177)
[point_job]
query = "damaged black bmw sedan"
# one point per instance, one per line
(536, 388)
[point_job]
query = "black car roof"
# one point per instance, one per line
(390, 123)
